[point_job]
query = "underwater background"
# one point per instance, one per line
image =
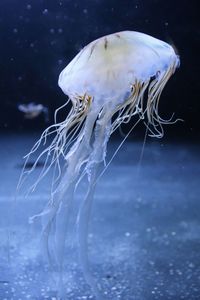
(144, 236)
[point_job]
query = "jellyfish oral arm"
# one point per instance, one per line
(102, 133)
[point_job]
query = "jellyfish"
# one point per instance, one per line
(32, 110)
(115, 79)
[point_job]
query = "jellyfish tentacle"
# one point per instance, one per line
(132, 105)
(59, 207)
(97, 156)
(60, 108)
(79, 154)
(117, 150)
(73, 122)
(154, 92)
(83, 220)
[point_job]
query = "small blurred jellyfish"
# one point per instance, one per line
(111, 80)
(32, 110)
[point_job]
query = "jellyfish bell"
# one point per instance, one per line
(108, 67)
(106, 84)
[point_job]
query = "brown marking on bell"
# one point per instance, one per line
(118, 35)
(105, 43)
(91, 51)
(89, 100)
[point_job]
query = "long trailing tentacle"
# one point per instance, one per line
(65, 134)
(102, 133)
(58, 209)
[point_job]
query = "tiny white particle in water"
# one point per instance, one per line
(151, 263)
(179, 272)
(53, 43)
(171, 272)
(191, 265)
(127, 234)
(45, 11)
(28, 6)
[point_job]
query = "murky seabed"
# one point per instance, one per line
(144, 240)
